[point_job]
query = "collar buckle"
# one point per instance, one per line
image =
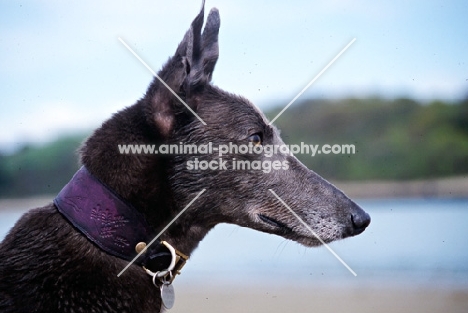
(178, 260)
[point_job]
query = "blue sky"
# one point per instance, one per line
(62, 67)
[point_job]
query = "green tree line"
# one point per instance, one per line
(394, 140)
(39, 170)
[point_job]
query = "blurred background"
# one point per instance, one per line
(399, 94)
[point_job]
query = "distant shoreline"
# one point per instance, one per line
(451, 187)
(25, 204)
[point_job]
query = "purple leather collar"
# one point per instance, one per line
(108, 221)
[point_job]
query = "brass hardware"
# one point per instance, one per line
(140, 246)
(181, 259)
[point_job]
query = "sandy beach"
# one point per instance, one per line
(276, 299)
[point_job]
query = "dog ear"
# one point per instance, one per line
(202, 50)
(187, 72)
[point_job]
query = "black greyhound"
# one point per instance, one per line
(65, 257)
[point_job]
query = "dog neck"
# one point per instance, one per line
(143, 180)
(112, 224)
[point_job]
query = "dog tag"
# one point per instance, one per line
(167, 295)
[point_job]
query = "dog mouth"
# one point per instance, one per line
(275, 223)
(282, 229)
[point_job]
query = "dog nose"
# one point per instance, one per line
(360, 220)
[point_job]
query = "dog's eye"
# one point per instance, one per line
(255, 139)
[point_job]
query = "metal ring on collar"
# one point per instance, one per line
(163, 273)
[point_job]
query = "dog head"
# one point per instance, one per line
(247, 197)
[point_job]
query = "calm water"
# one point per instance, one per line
(416, 241)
